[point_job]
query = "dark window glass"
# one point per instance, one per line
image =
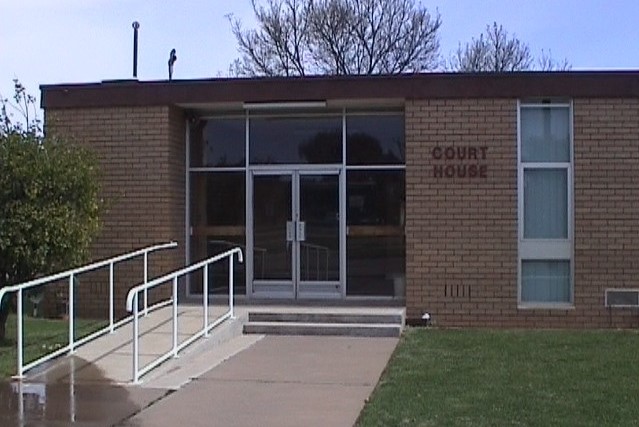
(375, 197)
(217, 222)
(272, 206)
(293, 140)
(217, 198)
(375, 140)
(319, 210)
(219, 143)
(376, 266)
(203, 247)
(376, 257)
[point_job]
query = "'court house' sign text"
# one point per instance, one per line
(460, 162)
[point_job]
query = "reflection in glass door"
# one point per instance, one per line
(318, 247)
(272, 250)
(296, 235)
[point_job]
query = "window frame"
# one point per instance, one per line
(545, 249)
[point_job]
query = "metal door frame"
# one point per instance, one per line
(295, 172)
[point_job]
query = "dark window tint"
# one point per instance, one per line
(375, 140)
(376, 266)
(295, 140)
(219, 143)
(217, 225)
(217, 198)
(375, 197)
(375, 253)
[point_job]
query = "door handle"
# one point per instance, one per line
(301, 231)
(290, 231)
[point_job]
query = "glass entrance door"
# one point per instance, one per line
(272, 238)
(318, 237)
(296, 234)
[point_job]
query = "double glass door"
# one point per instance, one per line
(296, 234)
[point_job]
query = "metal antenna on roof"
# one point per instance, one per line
(172, 59)
(135, 25)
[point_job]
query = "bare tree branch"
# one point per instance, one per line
(497, 51)
(546, 62)
(299, 37)
(277, 47)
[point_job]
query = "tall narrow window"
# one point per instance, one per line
(545, 204)
(375, 204)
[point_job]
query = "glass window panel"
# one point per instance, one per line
(545, 134)
(219, 272)
(272, 209)
(375, 197)
(319, 210)
(218, 198)
(545, 281)
(217, 220)
(376, 258)
(219, 143)
(376, 266)
(206, 246)
(294, 140)
(375, 139)
(545, 204)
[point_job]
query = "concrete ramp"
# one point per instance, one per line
(111, 354)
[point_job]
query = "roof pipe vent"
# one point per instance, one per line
(136, 26)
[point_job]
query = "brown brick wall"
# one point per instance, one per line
(462, 232)
(606, 207)
(140, 152)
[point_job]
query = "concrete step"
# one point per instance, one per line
(329, 317)
(335, 329)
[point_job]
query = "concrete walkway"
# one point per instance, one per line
(228, 379)
(279, 381)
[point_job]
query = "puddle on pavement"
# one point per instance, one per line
(57, 397)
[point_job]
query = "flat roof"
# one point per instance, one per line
(569, 84)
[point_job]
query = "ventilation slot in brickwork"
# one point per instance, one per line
(457, 291)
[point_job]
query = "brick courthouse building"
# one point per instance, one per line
(496, 200)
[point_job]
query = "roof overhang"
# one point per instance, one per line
(342, 90)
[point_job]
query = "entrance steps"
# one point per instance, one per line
(360, 322)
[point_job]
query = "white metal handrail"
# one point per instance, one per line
(71, 275)
(132, 306)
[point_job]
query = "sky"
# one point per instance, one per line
(80, 41)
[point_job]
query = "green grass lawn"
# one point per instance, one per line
(505, 378)
(41, 336)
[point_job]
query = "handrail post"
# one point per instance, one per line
(71, 314)
(20, 336)
(146, 279)
(111, 314)
(205, 292)
(231, 285)
(136, 345)
(20, 403)
(175, 317)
